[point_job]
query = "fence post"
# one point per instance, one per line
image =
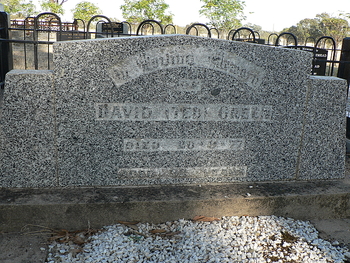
(5, 46)
(344, 73)
(344, 66)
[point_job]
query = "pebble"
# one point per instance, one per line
(231, 239)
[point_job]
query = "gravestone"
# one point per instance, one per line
(319, 64)
(172, 109)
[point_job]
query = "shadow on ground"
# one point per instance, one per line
(32, 246)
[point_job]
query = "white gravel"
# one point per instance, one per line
(230, 239)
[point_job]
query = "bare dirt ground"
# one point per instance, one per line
(23, 247)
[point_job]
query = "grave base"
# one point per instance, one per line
(80, 208)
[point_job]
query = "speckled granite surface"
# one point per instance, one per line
(183, 109)
(27, 131)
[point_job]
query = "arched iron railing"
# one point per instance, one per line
(272, 42)
(230, 33)
(75, 22)
(312, 39)
(238, 32)
(36, 38)
(149, 22)
(92, 19)
(216, 30)
(188, 30)
(333, 49)
(290, 35)
(168, 26)
(129, 27)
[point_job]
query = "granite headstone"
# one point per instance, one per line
(180, 109)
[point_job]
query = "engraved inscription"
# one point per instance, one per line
(151, 63)
(152, 145)
(182, 112)
(179, 173)
(190, 85)
(187, 56)
(228, 63)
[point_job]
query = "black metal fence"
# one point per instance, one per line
(27, 44)
(5, 47)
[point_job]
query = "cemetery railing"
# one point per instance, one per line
(5, 48)
(28, 43)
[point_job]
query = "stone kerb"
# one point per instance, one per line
(181, 109)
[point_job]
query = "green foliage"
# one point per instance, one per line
(344, 15)
(136, 11)
(60, 2)
(53, 7)
(322, 25)
(336, 27)
(259, 32)
(19, 9)
(254, 27)
(85, 10)
(223, 14)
